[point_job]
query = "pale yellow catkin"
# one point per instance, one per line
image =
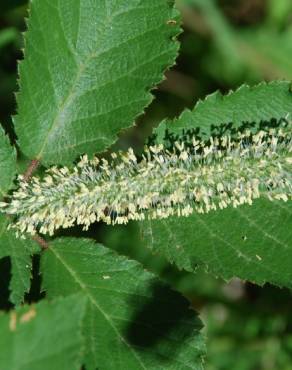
(200, 177)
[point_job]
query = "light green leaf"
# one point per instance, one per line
(87, 72)
(7, 163)
(250, 242)
(133, 321)
(43, 336)
(20, 252)
(247, 104)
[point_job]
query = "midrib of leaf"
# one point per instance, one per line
(95, 303)
(60, 117)
(67, 101)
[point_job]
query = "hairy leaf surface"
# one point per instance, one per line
(133, 320)
(43, 336)
(87, 72)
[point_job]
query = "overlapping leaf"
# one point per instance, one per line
(43, 336)
(87, 72)
(250, 242)
(133, 321)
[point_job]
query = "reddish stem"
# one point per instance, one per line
(30, 170)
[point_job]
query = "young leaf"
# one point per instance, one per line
(250, 242)
(133, 320)
(245, 105)
(43, 336)
(7, 163)
(87, 72)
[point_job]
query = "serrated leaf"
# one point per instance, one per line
(20, 252)
(250, 242)
(87, 72)
(43, 336)
(247, 104)
(7, 163)
(133, 320)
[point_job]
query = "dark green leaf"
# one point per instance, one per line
(263, 102)
(20, 252)
(133, 320)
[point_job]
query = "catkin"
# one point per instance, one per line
(200, 177)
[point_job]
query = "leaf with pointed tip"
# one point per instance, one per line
(88, 70)
(133, 320)
(43, 336)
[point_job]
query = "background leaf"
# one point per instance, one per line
(43, 336)
(148, 325)
(87, 72)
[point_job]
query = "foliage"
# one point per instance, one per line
(88, 72)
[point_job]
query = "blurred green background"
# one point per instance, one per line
(224, 43)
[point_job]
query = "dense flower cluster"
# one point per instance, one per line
(200, 177)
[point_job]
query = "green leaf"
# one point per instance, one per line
(133, 321)
(43, 336)
(20, 252)
(247, 104)
(87, 72)
(249, 242)
(7, 163)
